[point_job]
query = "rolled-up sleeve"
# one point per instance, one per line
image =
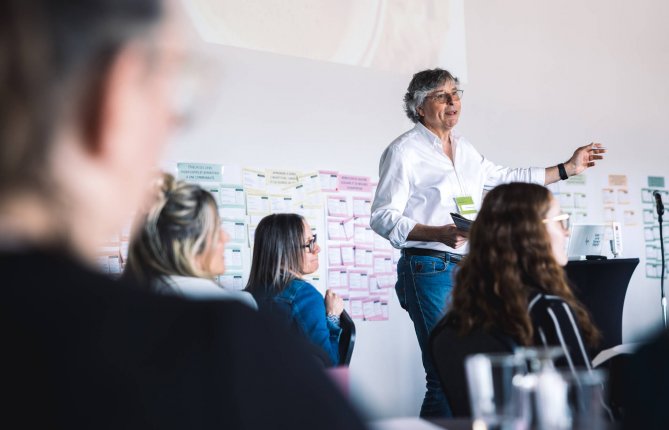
(392, 195)
(496, 175)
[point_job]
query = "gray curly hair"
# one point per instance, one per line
(422, 84)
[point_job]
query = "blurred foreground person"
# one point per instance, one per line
(179, 245)
(84, 112)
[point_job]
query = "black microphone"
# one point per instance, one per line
(658, 203)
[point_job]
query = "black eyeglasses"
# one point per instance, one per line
(447, 97)
(311, 244)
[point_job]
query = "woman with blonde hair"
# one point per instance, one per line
(179, 245)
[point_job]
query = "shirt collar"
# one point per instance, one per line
(432, 138)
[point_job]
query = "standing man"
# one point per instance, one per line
(425, 175)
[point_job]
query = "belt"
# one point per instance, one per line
(446, 256)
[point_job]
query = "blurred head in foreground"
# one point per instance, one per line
(84, 113)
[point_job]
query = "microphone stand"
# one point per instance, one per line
(663, 298)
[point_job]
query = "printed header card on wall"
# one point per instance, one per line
(200, 172)
(576, 180)
(617, 180)
(354, 183)
(656, 181)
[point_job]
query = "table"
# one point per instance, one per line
(601, 286)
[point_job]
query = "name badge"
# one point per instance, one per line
(465, 205)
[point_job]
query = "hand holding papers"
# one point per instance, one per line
(461, 222)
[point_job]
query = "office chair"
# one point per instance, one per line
(346, 339)
(448, 351)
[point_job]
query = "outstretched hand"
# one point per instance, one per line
(584, 157)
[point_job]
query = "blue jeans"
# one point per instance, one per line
(423, 287)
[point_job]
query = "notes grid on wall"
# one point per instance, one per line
(651, 227)
(573, 197)
(617, 207)
(230, 200)
(354, 261)
(361, 264)
(617, 202)
(579, 197)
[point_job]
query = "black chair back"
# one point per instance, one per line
(346, 339)
(448, 351)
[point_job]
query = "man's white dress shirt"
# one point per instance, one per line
(418, 183)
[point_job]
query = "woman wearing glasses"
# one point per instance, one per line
(284, 250)
(513, 281)
(425, 175)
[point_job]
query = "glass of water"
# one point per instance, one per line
(493, 398)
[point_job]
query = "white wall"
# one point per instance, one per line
(544, 77)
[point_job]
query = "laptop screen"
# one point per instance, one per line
(586, 239)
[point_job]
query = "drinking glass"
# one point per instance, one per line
(552, 400)
(539, 358)
(586, 398)
(491, 391)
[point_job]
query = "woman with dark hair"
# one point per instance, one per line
(179, 246)
(510, 290)
(513, 281)
(284, 250)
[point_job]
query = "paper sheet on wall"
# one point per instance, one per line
(231, 195)
(364, 257)
(281, 203)
(328, 180)
(232, 280)
(362, 206)
(334, 255)
(347, 255)
(254, 180)
(257, 203)
(310, 182)
(236, 229)
(200, 172)
(338, 205)
(281, 177)
(233, 258)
